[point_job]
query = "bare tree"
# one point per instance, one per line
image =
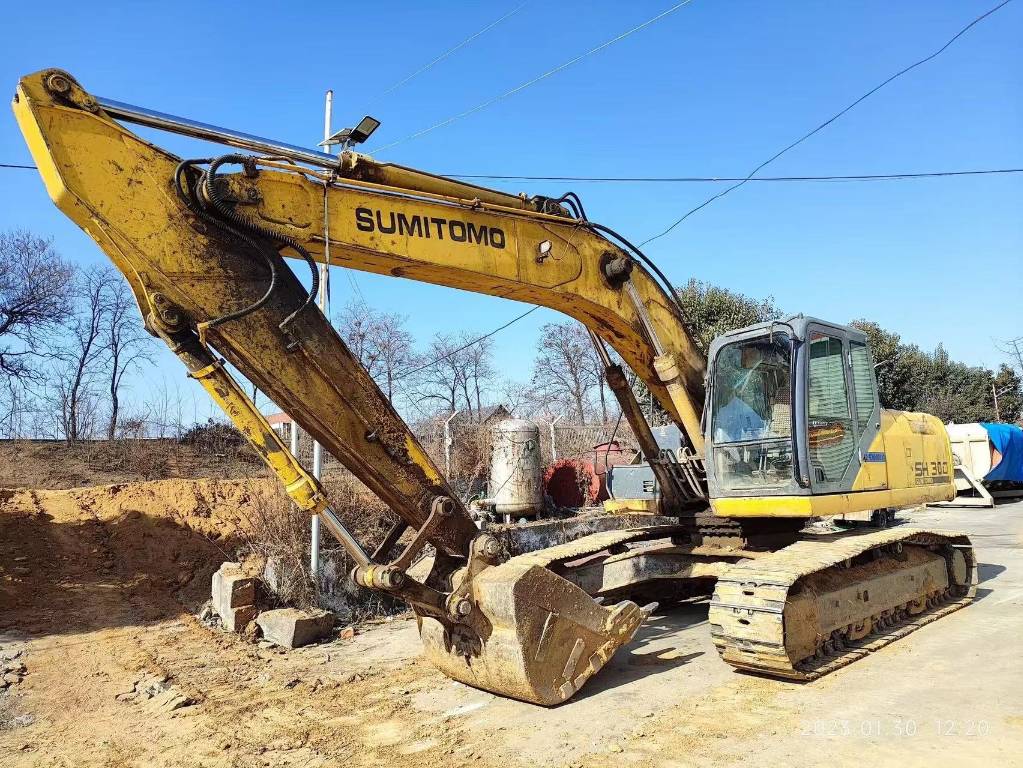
(478, 369)
(33, 298)
(521, 399)
(563, 369)
(75, 401)
(395, 350)
(380, 341)
(33, 303)
(355, 326)
(1013, 349)
(165, 408)
(458, 373)
(442, 376)
(595, 373)
(81, 356)
(126, 342)
(158, 409)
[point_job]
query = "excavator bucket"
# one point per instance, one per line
(533, 636)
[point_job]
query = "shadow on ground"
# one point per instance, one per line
(988, 571)
(653, 650)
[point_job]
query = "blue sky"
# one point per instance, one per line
(710, 90)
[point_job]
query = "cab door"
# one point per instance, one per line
(832, 442)
(843, 414)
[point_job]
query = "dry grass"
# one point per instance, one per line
(280, 533)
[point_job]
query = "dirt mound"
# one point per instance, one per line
(52, 464)
(213, 508)
(162, 538)
(97, 588)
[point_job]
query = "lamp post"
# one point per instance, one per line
(343, 139)
(324, 302)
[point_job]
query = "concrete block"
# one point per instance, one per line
(292, 628)
(236, 619)
(234, 596)
(232, 587)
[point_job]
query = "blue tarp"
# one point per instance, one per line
(1008, 441)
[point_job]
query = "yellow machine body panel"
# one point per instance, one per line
(917, 470)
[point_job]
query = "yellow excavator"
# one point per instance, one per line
(780, 422)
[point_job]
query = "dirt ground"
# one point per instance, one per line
(97, 586)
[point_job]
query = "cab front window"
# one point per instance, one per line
(751, 413)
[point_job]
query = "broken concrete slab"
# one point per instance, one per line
(237, 619)
(233, 587)
(234, 596)
(293, 628)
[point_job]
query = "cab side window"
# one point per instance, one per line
(831, 439)
(863, 383)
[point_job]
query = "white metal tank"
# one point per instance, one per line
(515, 477)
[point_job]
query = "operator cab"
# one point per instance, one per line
(791, 406)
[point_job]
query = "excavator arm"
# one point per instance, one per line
(203, 251)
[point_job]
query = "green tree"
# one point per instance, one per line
(909, 379)
(710, 311)
(957, 392)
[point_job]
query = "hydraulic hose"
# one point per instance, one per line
(185, 193)
(575, 204)
(674, 300)
(211, 193)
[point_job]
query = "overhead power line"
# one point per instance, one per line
(739, 181)
(15, 165)
(439, 59)
(724, 179)
(827, 122)
(534, 81)
(452, 353)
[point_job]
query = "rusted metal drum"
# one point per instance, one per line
(515, 487)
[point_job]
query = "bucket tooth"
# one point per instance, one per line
(533, 636)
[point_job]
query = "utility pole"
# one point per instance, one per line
(995, 394)
(293, 434)
(448, 442)
(324, 302)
